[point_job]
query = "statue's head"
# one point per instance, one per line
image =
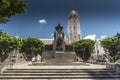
(59, 28)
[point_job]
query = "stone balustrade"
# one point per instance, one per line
(114, 66)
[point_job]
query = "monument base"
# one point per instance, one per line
(58, 57)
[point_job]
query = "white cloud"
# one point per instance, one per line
(42, 21)
(103, 36)
(92, 37)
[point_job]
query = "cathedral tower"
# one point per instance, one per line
(74, 33)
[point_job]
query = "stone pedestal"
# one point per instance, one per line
(58, 57)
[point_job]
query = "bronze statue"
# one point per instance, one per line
(58, 38)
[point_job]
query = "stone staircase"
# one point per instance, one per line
(58, 72)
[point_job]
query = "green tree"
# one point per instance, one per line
(31, 47)
(112, 46)
(8, 44)
(10, 8)
(16, 43)
(84, 48)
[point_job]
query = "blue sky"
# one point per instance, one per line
(97, 18)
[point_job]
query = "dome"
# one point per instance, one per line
(73, 14)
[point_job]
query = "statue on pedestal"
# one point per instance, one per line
(58, 51)
(59, 44)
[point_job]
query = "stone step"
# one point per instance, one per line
(58, 71)
(58, 62)
(55, 74)
(63, 69)
(62, 77)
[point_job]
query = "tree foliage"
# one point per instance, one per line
(8, 44)
(10, 8)
(32, 46)
(84, 48)
(112, 46)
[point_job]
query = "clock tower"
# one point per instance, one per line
(74, 33)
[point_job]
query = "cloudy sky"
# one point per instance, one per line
(98, 18)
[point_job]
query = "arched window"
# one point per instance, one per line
(75, 30)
